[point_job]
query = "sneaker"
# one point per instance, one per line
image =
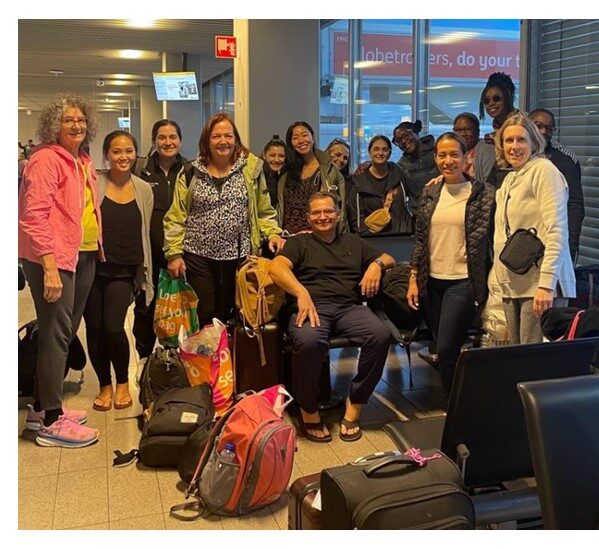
(67, 434)
(36, 419)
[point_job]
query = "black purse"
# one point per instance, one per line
(522, 249)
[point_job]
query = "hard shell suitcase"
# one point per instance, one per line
(249, 374)
(302, 514)
(394, 491)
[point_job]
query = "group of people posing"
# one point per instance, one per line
(91, 244)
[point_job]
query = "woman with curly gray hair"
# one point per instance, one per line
(59, 240)
(533, 195)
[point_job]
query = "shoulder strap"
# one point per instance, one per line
(189, 171)
(389, 198)
(140, 164)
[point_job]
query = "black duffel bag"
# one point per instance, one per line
(173, 417)
(391, 491)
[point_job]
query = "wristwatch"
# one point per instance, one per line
(380, 263)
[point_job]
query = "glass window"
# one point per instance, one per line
(462, 55)
(334, 76)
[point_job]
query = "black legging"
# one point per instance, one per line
(104, 315)
(214, 283)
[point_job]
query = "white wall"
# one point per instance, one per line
(108, 121)
(277, 77)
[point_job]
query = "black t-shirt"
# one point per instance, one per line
(330, 271)
(121, 232)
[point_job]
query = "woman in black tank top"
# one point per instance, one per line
(118, 277)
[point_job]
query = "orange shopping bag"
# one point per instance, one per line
(207, 358)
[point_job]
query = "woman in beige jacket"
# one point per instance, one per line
(533, 195)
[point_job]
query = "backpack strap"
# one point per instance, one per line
(189, 171)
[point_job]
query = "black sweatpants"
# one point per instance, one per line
(105, 311)
(143, 323)
(214, 283)
(57, 324)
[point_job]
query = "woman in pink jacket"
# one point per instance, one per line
(59, 241)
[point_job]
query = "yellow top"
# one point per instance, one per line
(88, 220)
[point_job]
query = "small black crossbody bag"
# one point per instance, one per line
(522, 249)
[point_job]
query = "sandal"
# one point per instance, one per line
(103, 403)
(123, 400)
(320, 426)
(350, 425)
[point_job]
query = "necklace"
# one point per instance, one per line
(222, 173)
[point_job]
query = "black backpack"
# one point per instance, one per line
(173, 417)
(27, 356)
(393, 297)
(163, 369)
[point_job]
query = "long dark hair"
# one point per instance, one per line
(294, 161)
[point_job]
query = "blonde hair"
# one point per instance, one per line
(537, 141)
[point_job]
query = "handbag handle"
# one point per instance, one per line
(392, 460)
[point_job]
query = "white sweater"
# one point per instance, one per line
(538, 198)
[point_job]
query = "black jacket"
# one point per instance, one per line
(419, 170)
(361, 194)
(480, 211)
(163, 187)
(571, 171)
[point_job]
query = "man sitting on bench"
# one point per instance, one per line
(330, 275)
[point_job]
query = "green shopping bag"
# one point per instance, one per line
(176, 307)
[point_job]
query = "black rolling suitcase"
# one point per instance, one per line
(390, 491)
(249, 374)
(303, 515)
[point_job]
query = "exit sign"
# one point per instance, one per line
(225, 47)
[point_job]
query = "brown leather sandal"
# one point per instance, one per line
(103, 403)
(123, 400)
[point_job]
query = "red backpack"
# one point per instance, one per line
(264, 447)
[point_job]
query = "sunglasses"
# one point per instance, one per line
(494, 98)
(338, 141)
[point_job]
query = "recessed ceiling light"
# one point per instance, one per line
(141, 23)
(56, 72)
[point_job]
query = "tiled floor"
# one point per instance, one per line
(79, 489)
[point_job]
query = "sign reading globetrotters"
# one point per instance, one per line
(472, 58)
(225, 46)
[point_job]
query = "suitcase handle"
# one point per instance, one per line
(393, 460)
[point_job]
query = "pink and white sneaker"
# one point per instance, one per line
(66, 434)
(36, 419)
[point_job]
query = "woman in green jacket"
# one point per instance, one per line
(219, 218)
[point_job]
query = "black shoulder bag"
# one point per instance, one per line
(522, 249)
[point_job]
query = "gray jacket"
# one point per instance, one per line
(145, 202)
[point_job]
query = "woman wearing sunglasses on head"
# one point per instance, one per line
(308, 170)
(339, 152)
(497, 100)
(418, 160)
